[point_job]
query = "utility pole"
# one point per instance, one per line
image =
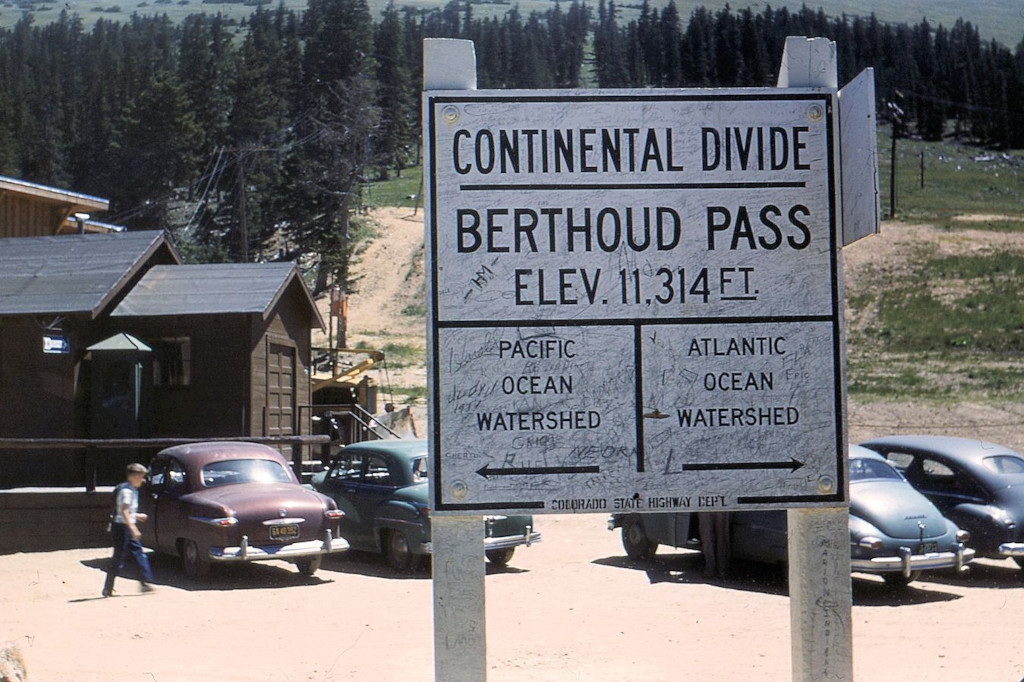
(243, 224)
(896, 116)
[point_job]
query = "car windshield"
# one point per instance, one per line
(419, 469)
(861, 469)
(232, 471)
(1004, 464)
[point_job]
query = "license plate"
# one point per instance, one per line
(928, 547)
(286, 532)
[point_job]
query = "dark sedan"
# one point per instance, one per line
(978, 485)
(225, 502)
(382, 488)
(894, 531)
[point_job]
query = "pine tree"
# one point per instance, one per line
(397, 110)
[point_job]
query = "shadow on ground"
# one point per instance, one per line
(266, 574)
(688, 568)
(375, 566)
(991, 573)
(241, 576)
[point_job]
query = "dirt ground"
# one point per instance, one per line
(569, 609)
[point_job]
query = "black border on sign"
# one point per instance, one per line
(827, 98)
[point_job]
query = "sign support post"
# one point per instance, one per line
(820, 598)
(460, 646)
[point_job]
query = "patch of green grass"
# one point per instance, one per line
(401, 191)
(958, 180)
(403, 355)
(411, 394)
(957, 303)
(934, 377)
(414, 310)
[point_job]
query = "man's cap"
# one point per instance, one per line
(136, 468)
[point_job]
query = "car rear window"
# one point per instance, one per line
(861, 469)
(232, 471)
(1004, 464)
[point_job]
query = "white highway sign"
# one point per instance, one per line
(634, 301)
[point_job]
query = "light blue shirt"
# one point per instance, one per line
(126, 495)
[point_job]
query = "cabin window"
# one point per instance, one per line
(172, 362)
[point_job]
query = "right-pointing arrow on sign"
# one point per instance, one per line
(792, 465)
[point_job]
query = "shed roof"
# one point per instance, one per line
(214, 289)
(72, 273)
(120, 342)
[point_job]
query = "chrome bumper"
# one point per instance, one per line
(1012, 549)
(907, 562)
(503, 542)
(294, 550)
(506, 541)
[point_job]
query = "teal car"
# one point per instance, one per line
(382, 488)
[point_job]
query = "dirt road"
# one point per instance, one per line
(570, 608)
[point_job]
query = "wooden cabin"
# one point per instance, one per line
(31, 210)
(109, 336)
(231, 347)
(55, 294)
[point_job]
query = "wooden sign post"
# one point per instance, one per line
(635, 303)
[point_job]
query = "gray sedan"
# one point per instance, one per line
(979, 485)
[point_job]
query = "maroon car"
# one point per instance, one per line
(226, 502)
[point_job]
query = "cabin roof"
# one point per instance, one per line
(230, 288)
(67, 274)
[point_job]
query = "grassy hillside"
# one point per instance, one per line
(1002, 20)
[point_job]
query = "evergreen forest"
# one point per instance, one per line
(251, 140)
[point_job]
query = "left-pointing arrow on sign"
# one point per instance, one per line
(486, 471)
(792, 465)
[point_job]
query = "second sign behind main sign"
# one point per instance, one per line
(635, 301)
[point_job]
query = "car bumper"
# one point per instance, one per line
(501, 542)
(1011, 549)
(906, 563)
(294, 550)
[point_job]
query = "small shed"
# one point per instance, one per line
(231, 347)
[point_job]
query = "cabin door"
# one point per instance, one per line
(280, 391)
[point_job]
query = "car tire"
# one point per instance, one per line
(399, 552)
(309, 565)
(500, 557)
(898, 580)
(635, 541)
(193, 562)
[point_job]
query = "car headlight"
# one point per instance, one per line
(1002, 518)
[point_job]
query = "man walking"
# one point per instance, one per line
(124, 530)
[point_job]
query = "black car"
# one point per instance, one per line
(977, 485)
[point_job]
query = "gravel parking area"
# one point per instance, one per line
(570, 608)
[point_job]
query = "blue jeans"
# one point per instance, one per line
(125, 545)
